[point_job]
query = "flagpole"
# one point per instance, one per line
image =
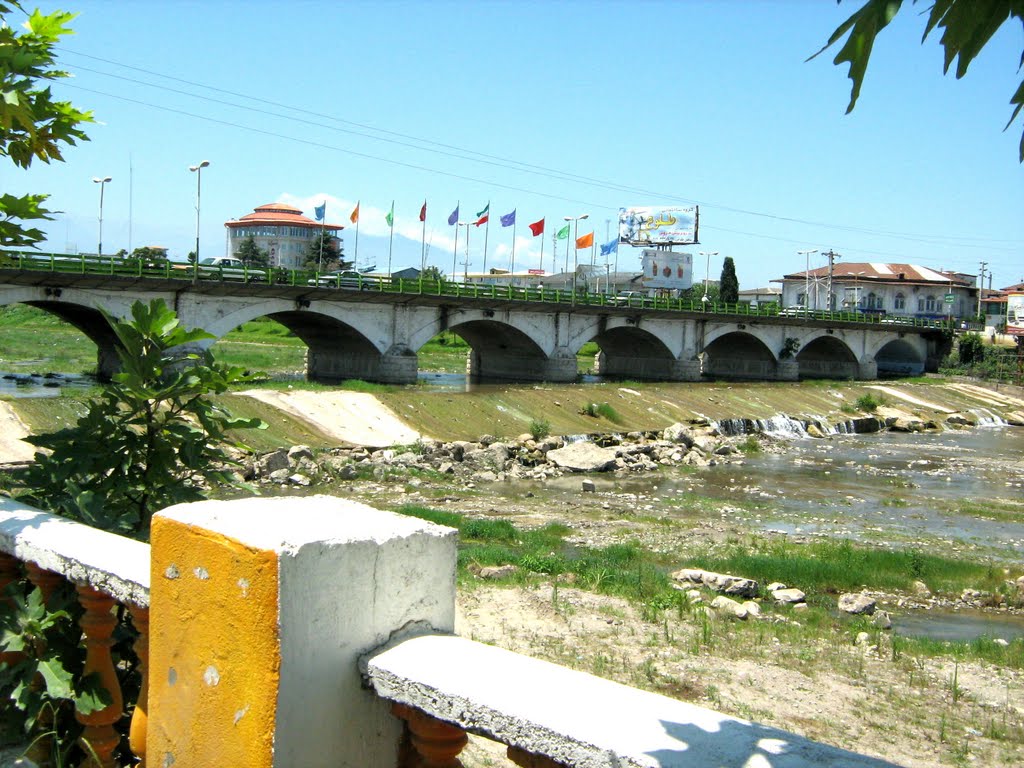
(487, 232)
(423, 242)
(323, 229)
(355, 257)
(512, 261)
(391, 236)
(455, 251)
(542, 252)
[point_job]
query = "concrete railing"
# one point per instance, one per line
(105, 570)
(317, 633)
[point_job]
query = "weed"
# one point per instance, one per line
(869, 403)
(750, 445)
(540, 428)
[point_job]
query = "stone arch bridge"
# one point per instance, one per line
(375, 336)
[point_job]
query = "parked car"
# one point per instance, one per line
(795, 311)
(344, 278)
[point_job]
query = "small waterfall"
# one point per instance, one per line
(568, 439)
(988, 419)
(777, 426)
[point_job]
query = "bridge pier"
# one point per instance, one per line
(396, 366)
(107, 362)
(787, 370)
(867, 370)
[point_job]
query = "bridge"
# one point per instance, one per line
(373, 329)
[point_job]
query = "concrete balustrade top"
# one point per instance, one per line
(112, 564)
(576, 718)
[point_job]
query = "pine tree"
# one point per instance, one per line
(728, 286)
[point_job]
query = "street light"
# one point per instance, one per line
(198, 169)
(807, 277)
(102, 182)
(575, 254)
(707, 274)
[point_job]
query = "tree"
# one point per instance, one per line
(252, 255)
(325, 253)
(33, 126)
(728, 286)
(151, 439)
(152, 257)
(432, 273)
(967, 26)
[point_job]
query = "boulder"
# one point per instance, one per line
(678, 433)
(498, 571)
(857, 603)
(962, 419)
(752, 608)
(299, 452)
(907, 424)
(582, 457)
(921, 589)
(775, 586)
(789, 596)
(881, 620)
(1015, 418)
(729, 607)
(588, 486)
(269, 463)
(813, 430)
(719, 582)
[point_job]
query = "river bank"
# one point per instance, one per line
(747, 504)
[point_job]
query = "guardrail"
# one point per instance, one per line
(105, 570)
(166, 270)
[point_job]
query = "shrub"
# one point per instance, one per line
(540, 428)
(868, 402)
(971, 349)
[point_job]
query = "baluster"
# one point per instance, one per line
(98, 622)
(530, 760)
(41, 750)
(435, 743)
(137, 734)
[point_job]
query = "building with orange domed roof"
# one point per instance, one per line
(279, 229)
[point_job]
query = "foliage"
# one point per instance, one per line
(989, 362)
(598, 410)
(150, 440)
(252, 255)
(789, 348)
(150, 255)
(967, 26)
(33, 126)
(432, 273)
(867, 402)
(970, 349)
(729, 284)
(540, 428)
(325, 253)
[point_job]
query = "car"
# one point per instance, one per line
(226, 268)
(630, 298)
(795, 311)
(343, 278)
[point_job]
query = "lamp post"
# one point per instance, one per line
(198, 170)
(707, 275)
(102, 182)
(807, 276)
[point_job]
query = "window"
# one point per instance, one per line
(801, 299)
(900, 303)
(873, 302)
(929, 303)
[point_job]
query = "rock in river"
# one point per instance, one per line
(583, 457)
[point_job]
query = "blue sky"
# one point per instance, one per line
(610, 104)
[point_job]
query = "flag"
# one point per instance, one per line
(508, 219)
(321, 211)
(563, 233)
(611, 247)
(454, 217)
(586, 241)
(537, 228)
(482, 220)
(486, 210)
(423, 211)
(354, 218)
(390, 218)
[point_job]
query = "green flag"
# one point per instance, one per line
(486, 209)
(563, 232)
(390, 218)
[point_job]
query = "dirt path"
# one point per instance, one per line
(13, 447)
(355, 418)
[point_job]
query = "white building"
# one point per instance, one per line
(280, 230)
(904, 290)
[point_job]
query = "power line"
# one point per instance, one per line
(463, 153)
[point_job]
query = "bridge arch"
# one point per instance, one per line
(739, 355)
(630, 352)
(900, 357)
(499, 350)
(827, 357)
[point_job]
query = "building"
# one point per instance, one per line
(760, 296)
(904, 290)
(280, 230)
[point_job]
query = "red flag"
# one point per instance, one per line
(585, 241)
(537, 227)
(423, 211)
(482, 220)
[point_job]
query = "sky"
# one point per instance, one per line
(551, 109)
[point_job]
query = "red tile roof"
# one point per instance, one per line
(911, 273)
(278, 214)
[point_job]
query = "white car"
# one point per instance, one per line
(343, 278)
(227, 268)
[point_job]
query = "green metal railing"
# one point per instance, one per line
(166, 270)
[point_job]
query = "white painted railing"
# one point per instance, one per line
(573, 718)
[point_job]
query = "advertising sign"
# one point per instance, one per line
(1015, 314)
(667, 269)
(658, 226)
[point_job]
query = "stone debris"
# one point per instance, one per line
(857, 603)
(719, 582)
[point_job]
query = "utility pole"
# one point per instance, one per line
(832, 256)
(981, 284)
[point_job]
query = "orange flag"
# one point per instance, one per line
(587, 241)
(355, 214)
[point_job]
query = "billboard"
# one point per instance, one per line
(667, 269)
(1015, 314)
(658, 226)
